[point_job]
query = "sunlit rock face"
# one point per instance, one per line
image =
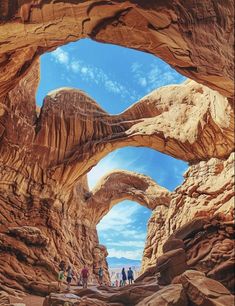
(45, 157)
(47, 212)
(207, 191)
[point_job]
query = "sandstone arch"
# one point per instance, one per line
(196, 38)
(43, 159)
(68, 139)
(120, 185)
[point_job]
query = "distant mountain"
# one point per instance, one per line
(114, 262)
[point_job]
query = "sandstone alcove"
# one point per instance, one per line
(44, 197)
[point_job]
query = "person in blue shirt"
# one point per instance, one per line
(130, 276)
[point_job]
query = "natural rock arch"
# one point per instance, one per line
(174, 31)
(38, 178)
(120, 185)
(52, 152)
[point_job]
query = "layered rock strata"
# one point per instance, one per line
(207, 191)
(47, 212)
(45, 158)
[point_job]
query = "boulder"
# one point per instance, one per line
(172, 295)
(74, 300)
(171, 264)
(203, 291)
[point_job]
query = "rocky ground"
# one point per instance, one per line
(190, 288)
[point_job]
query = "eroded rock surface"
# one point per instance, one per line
(4, 299)
(207, 191)
(205, 291)
(203, 244)
(48, 213)
(44, 160)
(172, 295)
(193, 288)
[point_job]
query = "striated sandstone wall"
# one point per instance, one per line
(45, 158)
(207, 191)
(47, 212)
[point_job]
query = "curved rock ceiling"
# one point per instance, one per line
(45, 154)
(190, 36)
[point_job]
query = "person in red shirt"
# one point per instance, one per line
(84, 276)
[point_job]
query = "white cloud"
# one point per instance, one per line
(110, 162)
(118, 220)
(154, 75)
(136, 67)
(137, 244)
(91, 73)
(61, 56)
(75, 66)
(114, 161)
(119, 232)
(134, 234)
(135, 254)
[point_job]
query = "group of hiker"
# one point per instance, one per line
(68, 274)
(129, 277)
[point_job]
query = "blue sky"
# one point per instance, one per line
(116, 77)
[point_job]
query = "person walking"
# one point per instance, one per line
(130, 276)
(69, 277)
(123, 277)
(100, 275)
(84, 275)
(60, 279)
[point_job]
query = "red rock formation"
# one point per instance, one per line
(4, 299)
(171, 295)
(193, 289)
(205, 291)
(122, 185)
(196, 38)
(208, 190)
(44, 160)
(59, 219)
(47, 212)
